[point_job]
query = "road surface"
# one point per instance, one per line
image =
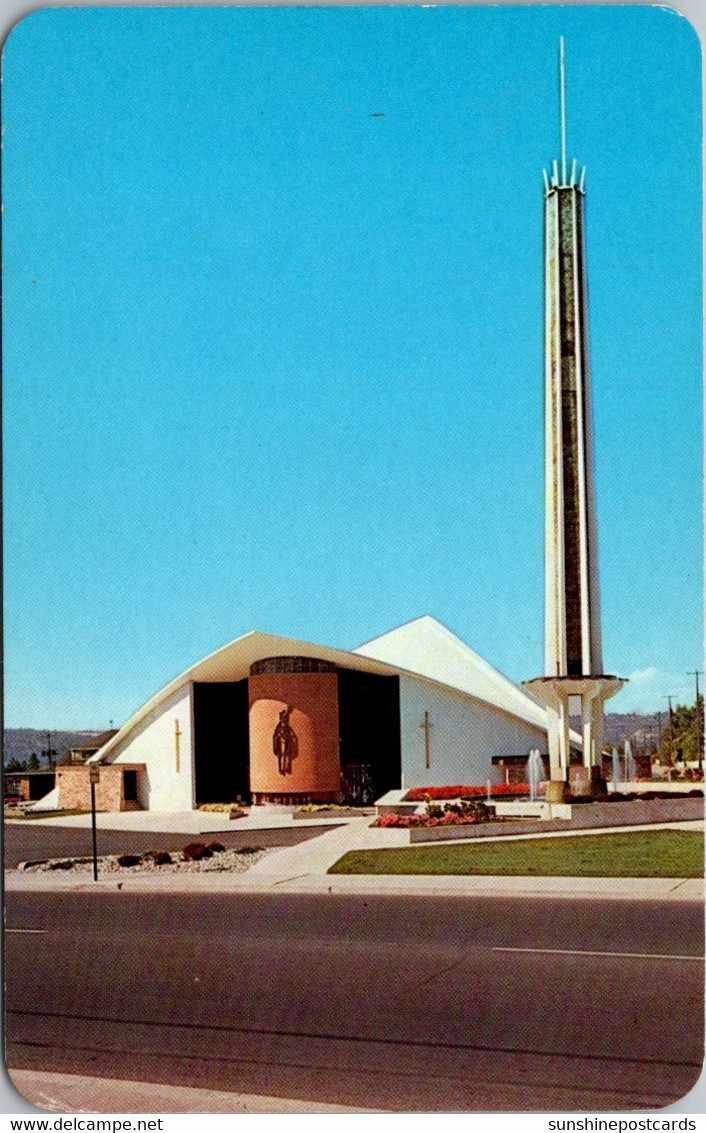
(403, 1003)
(33, 841)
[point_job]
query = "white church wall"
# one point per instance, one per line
(464, 736)
(162, 786)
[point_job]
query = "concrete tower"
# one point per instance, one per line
(573, 661)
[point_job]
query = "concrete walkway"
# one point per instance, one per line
(599, 888)
(185, 821)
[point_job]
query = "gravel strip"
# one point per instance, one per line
(226, 861)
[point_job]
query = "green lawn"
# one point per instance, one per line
(656, 853)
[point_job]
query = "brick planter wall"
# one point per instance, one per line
(584, 816)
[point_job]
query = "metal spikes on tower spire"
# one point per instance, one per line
(561, 177)
(562, 107)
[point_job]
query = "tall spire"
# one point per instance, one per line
(573, 654)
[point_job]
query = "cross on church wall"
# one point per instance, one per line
(426, 727)
(177, 746)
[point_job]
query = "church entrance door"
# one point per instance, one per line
(369, 729)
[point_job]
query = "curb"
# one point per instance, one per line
(369, 885)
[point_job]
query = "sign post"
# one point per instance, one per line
(94, 776)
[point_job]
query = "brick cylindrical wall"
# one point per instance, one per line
(315, 768)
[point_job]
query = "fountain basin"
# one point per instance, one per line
(526, 808)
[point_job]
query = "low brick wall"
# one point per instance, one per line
(584, 816)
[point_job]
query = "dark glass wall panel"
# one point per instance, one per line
(369, 724)
(221, 742)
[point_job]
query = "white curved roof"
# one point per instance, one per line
(426, 647)
(423, 648)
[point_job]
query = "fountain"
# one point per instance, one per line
(535, 807)
(535, 772)
(616, 768)
(630, 765)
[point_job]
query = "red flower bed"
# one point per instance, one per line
(497, 790)
(406, 820)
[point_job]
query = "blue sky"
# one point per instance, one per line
(273, 336)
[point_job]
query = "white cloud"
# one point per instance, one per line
(643, 674)
(647, 691)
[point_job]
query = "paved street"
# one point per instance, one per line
(32, 841)
(382, 1002)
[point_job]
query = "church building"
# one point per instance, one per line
(271, 719)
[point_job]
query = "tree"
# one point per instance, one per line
(33, 762)
(683, 736)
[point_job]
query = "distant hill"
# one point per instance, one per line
(19, 743)
(621, 726)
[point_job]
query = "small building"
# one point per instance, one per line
(272, 719)
(27, 786)
(116, 788)
(89, 749)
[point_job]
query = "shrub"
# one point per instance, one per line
(218, 808)
(196, 852)
(68, 863)
(159, 857)
(249, 849)
(315, 808)
(128, 860)
(476, 809)
(217, 848)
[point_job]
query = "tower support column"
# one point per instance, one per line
(554, 693)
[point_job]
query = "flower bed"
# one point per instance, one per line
(192, 859)
(497, 791)
(406, 820)
(466, 813)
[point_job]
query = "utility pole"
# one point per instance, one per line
(696, 673)
(671, 733)
(50, 752)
